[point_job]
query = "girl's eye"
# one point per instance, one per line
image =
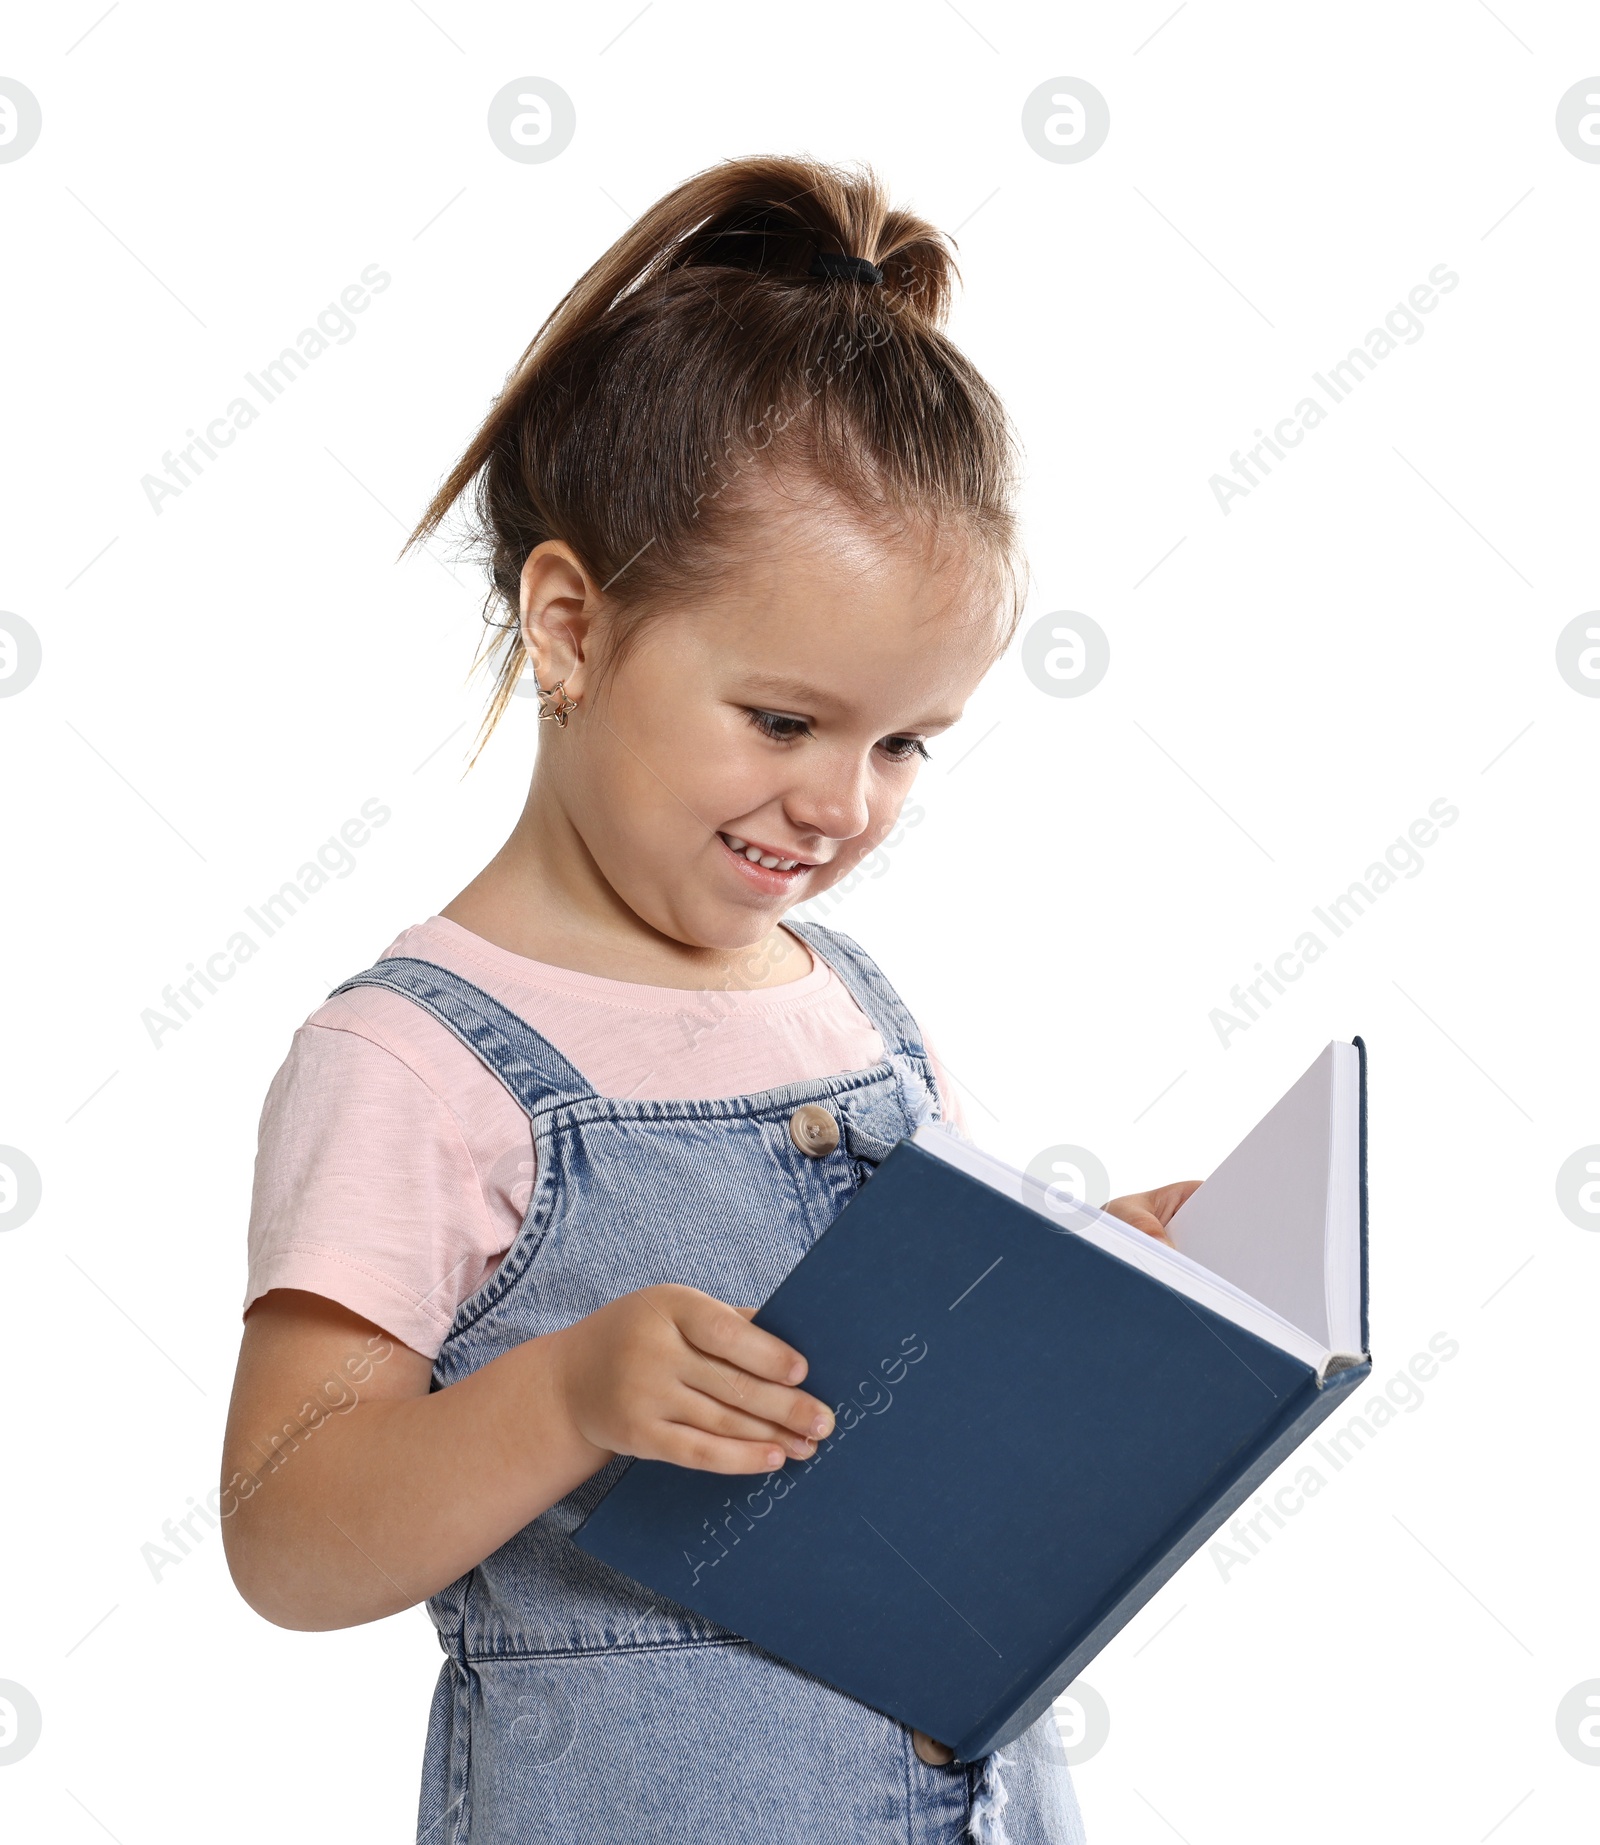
(782, 728)
(902, 749)
(775, 724)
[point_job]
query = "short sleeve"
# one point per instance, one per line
(365, 1191)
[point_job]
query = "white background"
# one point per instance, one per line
(1371, 629)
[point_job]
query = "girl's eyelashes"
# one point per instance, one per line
(775, 724)
(902, 749)
(779, 726)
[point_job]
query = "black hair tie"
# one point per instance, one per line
(852, 268)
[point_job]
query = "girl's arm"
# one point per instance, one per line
(351, 1491)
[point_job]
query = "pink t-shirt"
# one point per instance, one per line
(393, 1171)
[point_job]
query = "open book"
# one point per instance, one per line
(1271, 1241)
(1041, 1414)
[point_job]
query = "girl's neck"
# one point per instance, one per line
(542, 896)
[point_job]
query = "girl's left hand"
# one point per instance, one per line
(1153, 1211)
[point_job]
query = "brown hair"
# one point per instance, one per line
(698, 348)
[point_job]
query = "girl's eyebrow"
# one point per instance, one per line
(780, 686)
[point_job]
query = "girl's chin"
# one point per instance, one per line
(738, 929)
(719, 926)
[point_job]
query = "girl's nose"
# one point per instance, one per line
(831, 800)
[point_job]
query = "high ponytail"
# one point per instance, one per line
(701, 347)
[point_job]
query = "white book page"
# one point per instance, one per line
(1280, 1217)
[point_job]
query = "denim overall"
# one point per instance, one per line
(574, 1705)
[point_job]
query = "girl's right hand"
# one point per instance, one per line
(672, 1374)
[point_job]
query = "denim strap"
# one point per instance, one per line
(867, 986)
(528, 1065)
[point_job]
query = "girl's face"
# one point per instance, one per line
(752, 748)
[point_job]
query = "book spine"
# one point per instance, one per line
(1366, 1337)
(1308, 1407)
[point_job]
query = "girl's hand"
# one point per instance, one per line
(672, 1374)
(1153, 1211)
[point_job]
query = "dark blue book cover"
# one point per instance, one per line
(1032, 1435)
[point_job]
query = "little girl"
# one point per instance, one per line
(522, 1184)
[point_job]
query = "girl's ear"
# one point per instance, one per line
(560, 603)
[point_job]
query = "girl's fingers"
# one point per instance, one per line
(722, 1331)
(1162, 1203)
(738, 1363)
(1169, 1198)
(686, 1446)
(1144, 1220)
(717, 1417)
(791, 1410)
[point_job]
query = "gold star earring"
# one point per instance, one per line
(555, 703)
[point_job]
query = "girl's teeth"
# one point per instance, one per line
(757, 857)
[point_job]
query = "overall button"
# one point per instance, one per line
(935, 1754)
(813, 1130)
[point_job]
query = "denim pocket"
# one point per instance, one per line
(874, 1124)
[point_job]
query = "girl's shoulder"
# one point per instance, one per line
(626, 1038)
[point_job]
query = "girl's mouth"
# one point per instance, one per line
(767, 870)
